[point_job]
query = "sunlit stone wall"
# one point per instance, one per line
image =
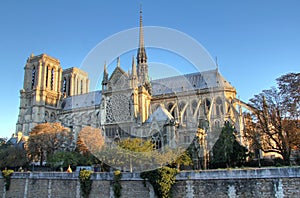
(271, 182)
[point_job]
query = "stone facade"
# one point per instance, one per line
(272, 182)
(169, 111)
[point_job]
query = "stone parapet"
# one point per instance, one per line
(248, 182)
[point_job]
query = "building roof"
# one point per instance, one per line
(175, 84)
(199, 80)
(82, 101)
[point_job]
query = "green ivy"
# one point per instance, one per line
(162, 180)
(7, 174)
(85, 182)
(117, 187)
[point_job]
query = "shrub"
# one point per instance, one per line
(117, 187)
(85, 182)
(7, 174)
(162, 180)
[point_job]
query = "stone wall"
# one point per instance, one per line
(272, 182)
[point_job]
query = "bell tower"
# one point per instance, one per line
(40, 95)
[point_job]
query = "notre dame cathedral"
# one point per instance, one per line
(169, 110)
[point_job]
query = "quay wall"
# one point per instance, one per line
(263, 182)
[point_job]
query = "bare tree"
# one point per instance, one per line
(274, 125)
(90, 140)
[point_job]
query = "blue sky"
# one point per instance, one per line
(255, 41)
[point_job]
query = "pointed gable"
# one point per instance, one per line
(159, 115)
(119, 78)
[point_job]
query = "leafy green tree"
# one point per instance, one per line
(63, 159)
(136, 145)
(12, 156)
(227, 150)
(183, 159)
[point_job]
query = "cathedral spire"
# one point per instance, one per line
(141, 55)
(142, 66)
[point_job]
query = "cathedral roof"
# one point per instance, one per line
(175, 84)
(193, 81)
(82, 101)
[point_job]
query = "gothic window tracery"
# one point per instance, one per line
(156, 140)
(118, 108)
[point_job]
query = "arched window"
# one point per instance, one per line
(194, 106)
(33, 77)
(207, 104)
(52, 79)
(52, 117)
(182, 112)
(219, 107)
(228, 105)
(155, 107)
(46, 116)
(81, 87)
(187, 139)
(217, 124)
(156, 140)
(77, 87)
(69, 87)
(47, 75)
(64, 85)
